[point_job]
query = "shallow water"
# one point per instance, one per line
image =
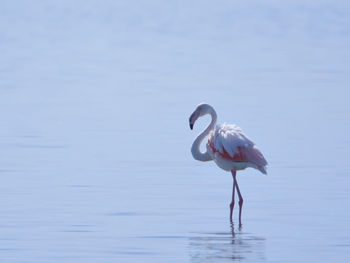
(95, 144)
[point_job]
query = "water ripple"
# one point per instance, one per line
(231, 246)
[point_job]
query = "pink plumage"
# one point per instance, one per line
(232, 144)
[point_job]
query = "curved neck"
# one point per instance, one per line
(196, 153)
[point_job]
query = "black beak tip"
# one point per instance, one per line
(191, 126)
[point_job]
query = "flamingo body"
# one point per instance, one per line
(229, 147)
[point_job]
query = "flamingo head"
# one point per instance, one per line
(201, 110)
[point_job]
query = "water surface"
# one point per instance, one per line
(95, 144)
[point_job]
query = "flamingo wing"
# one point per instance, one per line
(232, 144)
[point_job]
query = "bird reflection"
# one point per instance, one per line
(233, 245)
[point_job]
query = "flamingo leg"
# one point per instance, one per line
(240, 202)
(233, 194)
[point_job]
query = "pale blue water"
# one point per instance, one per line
(95, 146)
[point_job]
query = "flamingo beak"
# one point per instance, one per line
(193, 119)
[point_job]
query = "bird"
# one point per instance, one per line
(228, 147)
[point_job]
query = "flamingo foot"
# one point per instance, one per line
(231, 210)
(240, 211)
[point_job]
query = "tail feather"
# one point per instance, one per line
(262, 169)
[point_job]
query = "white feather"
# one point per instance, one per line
(230, 137)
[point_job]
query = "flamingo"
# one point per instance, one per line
(229, 147)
